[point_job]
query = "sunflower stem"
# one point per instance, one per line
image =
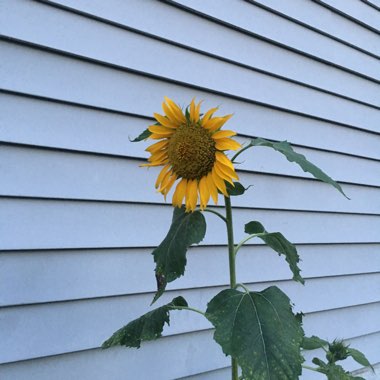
(231, 256)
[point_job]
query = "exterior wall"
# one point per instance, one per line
(79, 218)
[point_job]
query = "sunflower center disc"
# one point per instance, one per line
(191, 152)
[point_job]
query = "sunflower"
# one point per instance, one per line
(191, 149)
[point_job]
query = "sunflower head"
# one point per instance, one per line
(191, 148)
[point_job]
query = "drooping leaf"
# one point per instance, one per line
(237, 189)
(359, 357)
(143, 136)
(148, 327)
(313, 343)
(285, 148)
(278, 243)
(260, 331)
(170, 256)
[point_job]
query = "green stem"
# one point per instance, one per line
(216, 213)
(310, 368)
(231, 257)
(188, 308)
(243, 287)
(240, 152)
(240, 244)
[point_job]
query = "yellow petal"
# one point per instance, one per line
(163, 162)
(161, 175)
(157, 136)
(204, 193)
(207, 116)
(227, 171)
(192, 110)
(157, 146)
(212, 188)
(191, 195)
(169, 185)
(222, 134)
(165, 180)
(176, 109)
(159, 156)
(197, 111)
(179, 193)
(222, 158)
(161, 130)
(164, 121)
(219, 182)
(227, 144)
(221, 173)
(170, 114)
(217, 122)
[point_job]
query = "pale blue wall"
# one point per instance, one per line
(80, 77)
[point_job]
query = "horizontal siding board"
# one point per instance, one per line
(77, 224)
(187, 351)
(85, 325)
(79, 35)
(326, 21)
(45, 173)
(37, 277)
(81, 81)
(233, 13)
(357, 10)
(259, 21)
(34, 121)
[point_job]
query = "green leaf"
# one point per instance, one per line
(313, 343)
(148, 327)
(170, 256)
(143, 136)
(278, 243)
(237, 189)
(285, 148)
(335, 372)
(359, 357)
(260, 331)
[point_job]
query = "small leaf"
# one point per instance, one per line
(254, 228)
(143, 136)
(148, 327)
(278, 243)
(260, 331)
(285, 148)
(313, 343)
(359, 357)
(237, 189)
(170, 256)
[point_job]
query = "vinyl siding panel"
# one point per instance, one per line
(75, 260)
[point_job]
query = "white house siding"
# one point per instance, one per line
(79, 218)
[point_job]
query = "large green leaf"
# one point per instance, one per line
(278, 243)
(260, 331)
(170, 256)
(148, 327)
(285, 148)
